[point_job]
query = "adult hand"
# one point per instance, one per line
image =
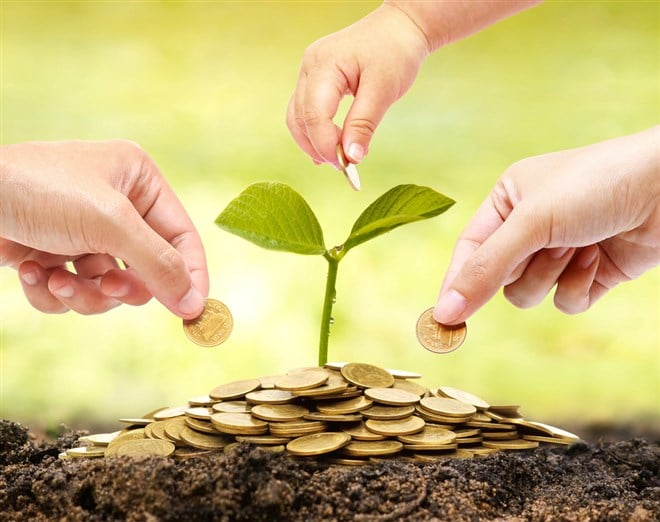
(376, 60)
(584, 220)
(92, 204)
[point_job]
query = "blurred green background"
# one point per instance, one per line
(203, 87)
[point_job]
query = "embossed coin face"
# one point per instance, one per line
(348, 168)
(439, 338)
(212, 327)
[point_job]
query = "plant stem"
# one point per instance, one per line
(328, 302)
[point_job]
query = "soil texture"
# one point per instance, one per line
(613, 481)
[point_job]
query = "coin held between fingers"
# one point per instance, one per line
(348, 168)
(212, 327)
(439, 338)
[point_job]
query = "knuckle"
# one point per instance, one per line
(363, 126)
(519, 299)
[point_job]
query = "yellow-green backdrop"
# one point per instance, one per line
(203, 87)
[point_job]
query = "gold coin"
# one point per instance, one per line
(235, 389)
(200, 425)
(412, 387)
(490, 425)
(262, 439)
(269, 396)
(439, 338)
(335, 390)
(349, 169)
(337, 366)
(351, 417)
(460, 395)
(360, 432)
(277, 430)
(232, 406)
(429, 435)
(463, 441)
(302, 380)
(144, 447)
(440, 419)
(516, 444)
(359, 448)
(509, 410)
(168, 413)
(431, 447)
(204, 441)
(551, 440)
(99, 439)
(394, 428)
(189, 453)
(238, 424)
(500, 435)
(367, 375)
(173, 429)
(268, 381)
(392, 396)
(344, 406)
(462, 434)
(388, 412)
(347, 462)
(124, 436)
(447, 407)
(212, 327)
(202, 400)
(318, 443)
(403, 374)
(279, 412)
(547, 429)
(200, 412)
(136, 421)
(86, 452)
(156, 430)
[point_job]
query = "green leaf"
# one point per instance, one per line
(274, 216)
(398, 206)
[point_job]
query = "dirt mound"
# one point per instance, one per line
(603, 481)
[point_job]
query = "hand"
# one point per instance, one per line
(584, 219)
(92, 204)
(376, 60)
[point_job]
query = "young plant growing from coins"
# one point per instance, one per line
(275, 216)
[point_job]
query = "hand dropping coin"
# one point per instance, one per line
(348, 168)
(439, 338)
(212, 327)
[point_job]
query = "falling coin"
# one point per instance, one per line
(212, 327)
(436, 337)
(348, 168)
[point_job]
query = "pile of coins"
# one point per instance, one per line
(350, 413)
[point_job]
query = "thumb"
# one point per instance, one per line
(488, 268)
(372, 100)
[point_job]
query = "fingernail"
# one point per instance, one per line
(557, 253)
(30, 278)
(587, 258)
(192, 302)
(450, 307)
(65, 291)
(355, 152)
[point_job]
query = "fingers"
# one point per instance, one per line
(34, 280)
(372, 100)
(539, 277)
(296, 122)
(125, 286)
(165, 251)
(576, 287)
(324, 90)
(79, 294)
(480, 274)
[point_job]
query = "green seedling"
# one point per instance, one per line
(274, 216)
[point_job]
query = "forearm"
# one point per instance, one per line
(445, 21)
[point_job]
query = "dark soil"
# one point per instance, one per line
(586, 481)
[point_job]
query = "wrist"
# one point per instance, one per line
(442, 22)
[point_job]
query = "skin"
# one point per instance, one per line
(582, 220)
(88, 205)
(376, 60)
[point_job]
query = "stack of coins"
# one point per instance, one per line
(348, 413)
